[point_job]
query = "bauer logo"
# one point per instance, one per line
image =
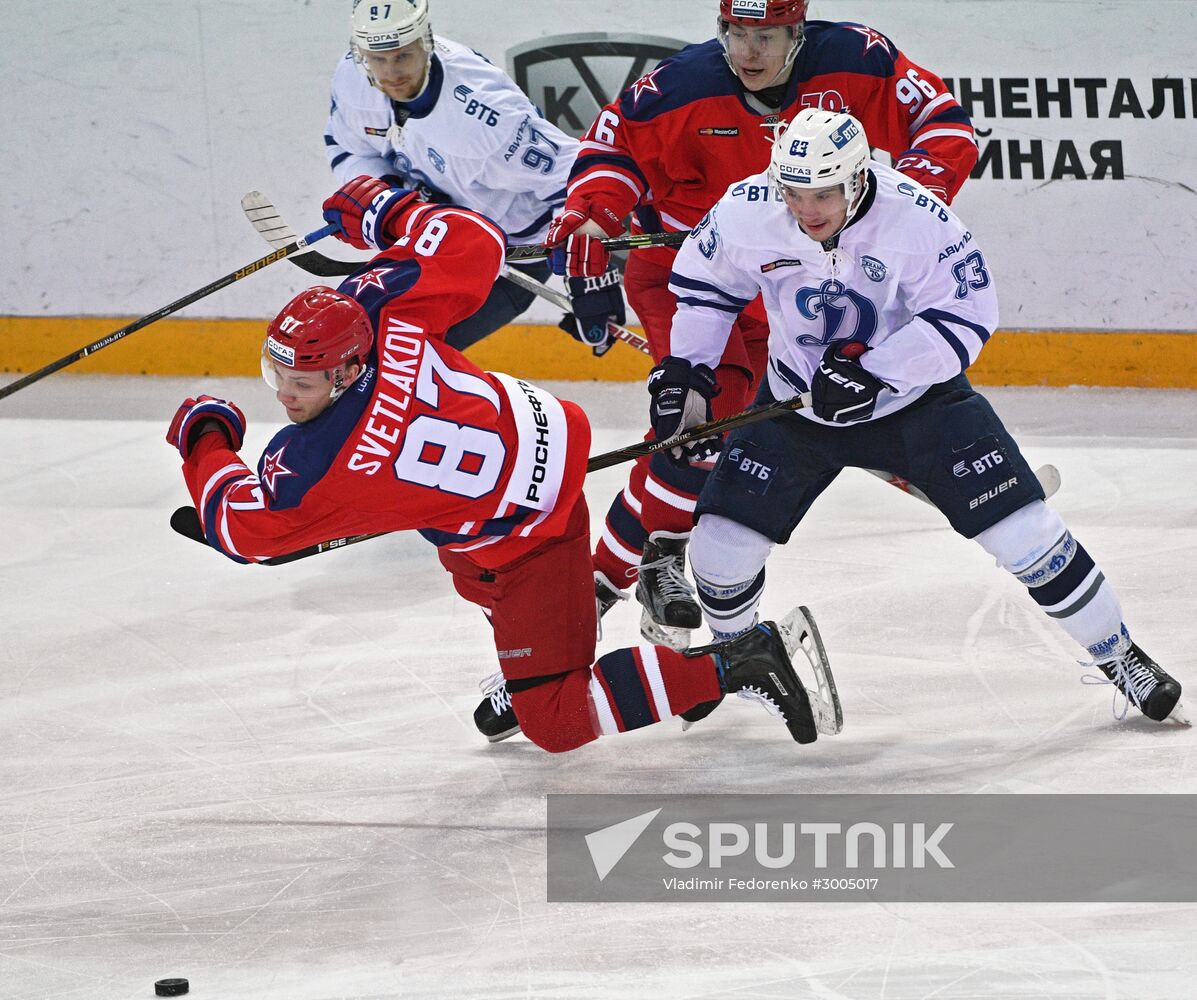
(869, 848)
(571, 77)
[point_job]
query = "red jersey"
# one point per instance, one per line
(679, 136)
(480, 462)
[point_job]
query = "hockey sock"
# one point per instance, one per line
(1035, 545)
(671, 494)
(728, 562)
(617, 554)
(635, 687)
(1072, 589)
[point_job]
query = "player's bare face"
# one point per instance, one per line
(821, 213)
(304, 395)
(399, 73)
(758, 55)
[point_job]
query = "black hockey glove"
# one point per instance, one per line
(596, 302)
(681, 399)
(841, 390)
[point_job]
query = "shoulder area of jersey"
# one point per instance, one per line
(691, 74)
(908, 212)
(751, 198)
(847, 45)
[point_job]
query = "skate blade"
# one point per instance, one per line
(664, 635)
(1179, 715)
(505, 735)
(799, 632)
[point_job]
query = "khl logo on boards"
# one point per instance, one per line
(571, 77)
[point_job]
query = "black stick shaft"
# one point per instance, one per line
(186, 521)
(158, 314)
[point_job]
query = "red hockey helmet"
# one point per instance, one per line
(759, 13)
(317, 330)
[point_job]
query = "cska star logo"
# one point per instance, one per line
(372, 279)
(273, 470)
(647, 84)
(872, 38)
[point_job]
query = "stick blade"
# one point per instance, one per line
(265, 219)
(1049, 479)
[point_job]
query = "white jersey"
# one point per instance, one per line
(472, 135)
(907, 278)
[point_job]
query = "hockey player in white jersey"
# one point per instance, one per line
(430, 114)
(878, 299)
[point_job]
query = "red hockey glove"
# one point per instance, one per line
(194, 416)
(577, 254)
(363, 208)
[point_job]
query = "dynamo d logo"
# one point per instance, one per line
(571, 77)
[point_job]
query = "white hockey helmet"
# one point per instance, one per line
(821, 149)
(382, 26)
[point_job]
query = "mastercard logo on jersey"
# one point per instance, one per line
(719, 131)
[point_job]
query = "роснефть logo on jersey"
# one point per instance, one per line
(571, 77)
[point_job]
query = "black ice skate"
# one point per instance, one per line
(799, 631)
(1145, 684)
(494, 716)
(670, 610)
(757, 666)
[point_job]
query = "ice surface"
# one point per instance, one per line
(267, 779)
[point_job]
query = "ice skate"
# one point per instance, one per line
(757, 666)
(1144, 684)
(798, 631)
(670, 611)
(494, 716)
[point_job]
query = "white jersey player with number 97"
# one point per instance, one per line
(427, 113)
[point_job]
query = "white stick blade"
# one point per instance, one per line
(266, 220)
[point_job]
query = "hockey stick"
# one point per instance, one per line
(275, 231)
(173, 307)
(266, 220)
(271, 226)
(186, 520)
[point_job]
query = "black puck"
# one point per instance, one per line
(171, 987)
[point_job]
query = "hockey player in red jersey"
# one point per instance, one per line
(392, 429)
(666, 151)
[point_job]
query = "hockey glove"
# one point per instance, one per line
(681, 399)
(194, 416)
(596, 302)
(575, 236)
(841, 390)
(362, 210)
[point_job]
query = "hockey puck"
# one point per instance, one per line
(171, 987)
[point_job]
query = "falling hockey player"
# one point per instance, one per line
(878, 299)
(393, 430)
